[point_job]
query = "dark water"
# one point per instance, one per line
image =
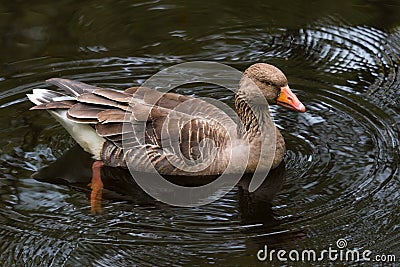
(341, 173)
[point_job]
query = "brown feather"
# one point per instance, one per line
(154, 97)
(74, 87)
(109, 129)
(114, 95)
(171, 100)
(113, 115)
(98, 100)
(84, 111)
(141, 112)
(131, 90)
(65, 104)
(83, 120)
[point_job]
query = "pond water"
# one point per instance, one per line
(340, 179)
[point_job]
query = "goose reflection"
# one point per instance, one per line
(73, 168)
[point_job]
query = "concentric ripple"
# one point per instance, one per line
(343, 156)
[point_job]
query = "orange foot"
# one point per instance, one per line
(97, 187)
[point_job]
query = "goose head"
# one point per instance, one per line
(273, 85)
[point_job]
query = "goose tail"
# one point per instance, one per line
(44, 96)
(57, 104)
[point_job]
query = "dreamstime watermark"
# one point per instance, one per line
(215, 122)
(334, 254)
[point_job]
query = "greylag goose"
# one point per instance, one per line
(95, 116)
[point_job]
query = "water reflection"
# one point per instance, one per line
(132, 219)
(73, 168)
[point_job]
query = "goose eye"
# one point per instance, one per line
(267, 83)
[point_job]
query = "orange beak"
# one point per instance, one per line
(289, 100)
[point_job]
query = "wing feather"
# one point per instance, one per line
(172, 124)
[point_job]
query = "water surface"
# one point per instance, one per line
(341, 173)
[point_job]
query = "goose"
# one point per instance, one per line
(95, 116)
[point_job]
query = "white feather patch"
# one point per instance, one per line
(83, 134)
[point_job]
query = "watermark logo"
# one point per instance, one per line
(341, 243)
(340, 253)
(169, 134)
